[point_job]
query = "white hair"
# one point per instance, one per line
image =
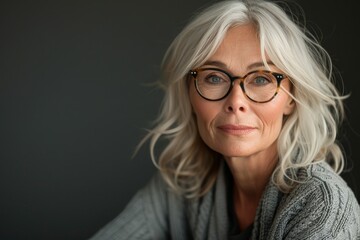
(308, 134)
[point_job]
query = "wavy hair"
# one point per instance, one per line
(308, 134)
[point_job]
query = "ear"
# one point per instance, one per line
(289, 107)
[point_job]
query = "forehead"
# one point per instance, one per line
(239, 49)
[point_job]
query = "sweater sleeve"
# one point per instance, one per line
(326, 213)
(144, 217)
(323, 208)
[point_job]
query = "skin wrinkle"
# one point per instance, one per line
(207, 181)
(251, 156)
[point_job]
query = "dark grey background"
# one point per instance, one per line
(74, 104)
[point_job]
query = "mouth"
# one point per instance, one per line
(236, 129)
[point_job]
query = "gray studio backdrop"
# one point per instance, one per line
(75, 101)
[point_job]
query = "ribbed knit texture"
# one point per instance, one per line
(323, 207)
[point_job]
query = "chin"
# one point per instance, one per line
(236, 154)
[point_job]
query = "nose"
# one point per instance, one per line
(236, 100)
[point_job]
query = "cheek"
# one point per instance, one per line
(205, 112)
(272, 118)
(205, 118)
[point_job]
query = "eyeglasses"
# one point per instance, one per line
(259, 86)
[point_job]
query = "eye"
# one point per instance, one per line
(259, 80)
(215, 78)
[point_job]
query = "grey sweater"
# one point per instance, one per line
(323, 207)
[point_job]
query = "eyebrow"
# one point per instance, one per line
(259, 64)
(251, 66)
(216, 63)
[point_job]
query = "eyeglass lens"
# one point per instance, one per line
(213, 84)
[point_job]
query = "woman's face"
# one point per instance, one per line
(235, 126)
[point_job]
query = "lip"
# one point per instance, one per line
(236, 129)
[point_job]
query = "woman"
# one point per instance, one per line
(251, 115)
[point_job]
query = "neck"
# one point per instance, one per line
(250, 176)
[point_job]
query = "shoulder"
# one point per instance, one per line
(322, 204)
(142, 218)
(331, 190)
(158, 198)
(321, 181)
